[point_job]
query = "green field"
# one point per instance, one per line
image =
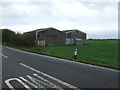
(102, 53)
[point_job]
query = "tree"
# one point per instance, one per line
(6, 35)
(16, 39)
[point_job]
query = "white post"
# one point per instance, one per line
(75, 54)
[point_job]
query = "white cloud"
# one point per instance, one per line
(59, 0)
(93, 18)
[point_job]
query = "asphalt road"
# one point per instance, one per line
(22, 69)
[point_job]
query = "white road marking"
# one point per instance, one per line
(12, 88)
(51, 77)
(35, 86)
(3, 55)
(50, 83)
(64, 60)
(36, 81)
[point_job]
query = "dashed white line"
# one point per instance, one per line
(51, 77)
(3, 55)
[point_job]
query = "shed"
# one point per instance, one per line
(48, 37)
(75, 37)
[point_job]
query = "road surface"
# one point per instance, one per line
(22, 69)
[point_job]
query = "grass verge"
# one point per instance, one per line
(101, 53)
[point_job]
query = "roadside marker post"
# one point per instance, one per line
(75, 54)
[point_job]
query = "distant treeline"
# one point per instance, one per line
(9, 37)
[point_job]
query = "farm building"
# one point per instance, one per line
(48, 36)
(75, 37)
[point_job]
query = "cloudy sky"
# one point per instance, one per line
(98, 18)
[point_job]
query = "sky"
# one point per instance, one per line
(97, 18)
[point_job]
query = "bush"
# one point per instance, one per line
(17, 39)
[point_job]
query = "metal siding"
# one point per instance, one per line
(69, 41)
(52, 37)
(74, 35)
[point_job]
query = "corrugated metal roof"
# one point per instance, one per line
(73, 30)
(64, 31)
(42, 29)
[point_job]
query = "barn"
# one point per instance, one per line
(48, 36)
(75, 37)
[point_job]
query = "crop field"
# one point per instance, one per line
(97, 52)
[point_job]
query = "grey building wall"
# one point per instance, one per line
(48, 37)
(51, 37)
(75, 34)
(75, 37)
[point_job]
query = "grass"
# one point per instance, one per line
(101, 53)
